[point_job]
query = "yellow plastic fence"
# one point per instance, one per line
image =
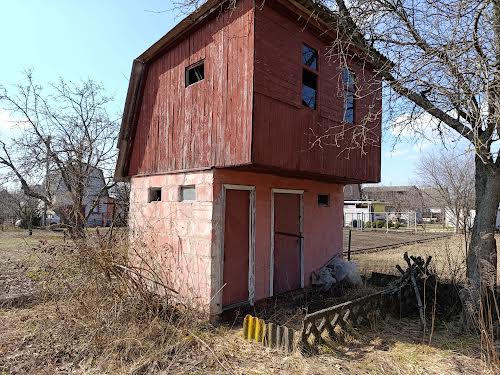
(268, 334)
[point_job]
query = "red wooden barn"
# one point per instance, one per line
(241, 127)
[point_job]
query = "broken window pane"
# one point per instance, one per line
(348, 81)
(349, 107)
(309, 57)
(347, 77)
(309, 88)
(324, 200)
(154, 194)
(195, 73)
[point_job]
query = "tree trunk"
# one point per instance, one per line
(482, 254)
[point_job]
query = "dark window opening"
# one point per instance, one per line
(154, 194)
(309, 57)
(348, 81)
(195, 73)
(324, 200)
(309, 88)
(188, 193)
(349, 107)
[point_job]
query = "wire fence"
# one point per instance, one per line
(382, 221)
(399, 221)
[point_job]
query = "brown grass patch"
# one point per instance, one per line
(94, 321)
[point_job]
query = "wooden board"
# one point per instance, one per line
(208, 123)
(287, 238)
(236, 250)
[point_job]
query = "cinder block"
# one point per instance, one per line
(200, 247)
(157, 181)
(175, 179)
(193, 178)
(202, 213)
(181, 228)
(201, 229)
(171, 193)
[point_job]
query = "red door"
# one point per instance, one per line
(236, 247)
(287, 241)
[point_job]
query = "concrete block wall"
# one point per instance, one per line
(174, 237)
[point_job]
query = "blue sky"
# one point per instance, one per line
(99, 39)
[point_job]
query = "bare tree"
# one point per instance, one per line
(443, 63)
(7, 209)
(452, 177)
(121, 193)
(27, 209)
(66, 132)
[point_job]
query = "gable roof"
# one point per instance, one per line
(311, 10)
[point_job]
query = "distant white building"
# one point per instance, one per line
(362, 211)
(97, 205)
(451, 219)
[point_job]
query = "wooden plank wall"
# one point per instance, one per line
(206, 124)
(283, 128)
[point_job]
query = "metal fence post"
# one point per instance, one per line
(349, 247)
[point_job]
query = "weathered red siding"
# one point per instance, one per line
(209, 123)
(248, 111)
(284, 130)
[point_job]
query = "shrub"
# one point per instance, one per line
(102, 300)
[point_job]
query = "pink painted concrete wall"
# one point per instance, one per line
(322, 225)
(181, 241)
(172, 237)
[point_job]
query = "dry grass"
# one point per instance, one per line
(94, 322)
(448, 258)
(29, 344)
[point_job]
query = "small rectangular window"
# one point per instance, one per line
(309, 57)
(195, 73)
(154, 194)
(188, 193)
(309, 88)
(324, 200)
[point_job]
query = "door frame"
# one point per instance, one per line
(271, 259)
(251, 244)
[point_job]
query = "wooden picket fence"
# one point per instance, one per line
(331, 323)
(321, 327)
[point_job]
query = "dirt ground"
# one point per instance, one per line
(17, 259)
(29, 343)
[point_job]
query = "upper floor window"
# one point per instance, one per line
(309, 57)
(309, 76)
(195, 73)
(348, 83)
